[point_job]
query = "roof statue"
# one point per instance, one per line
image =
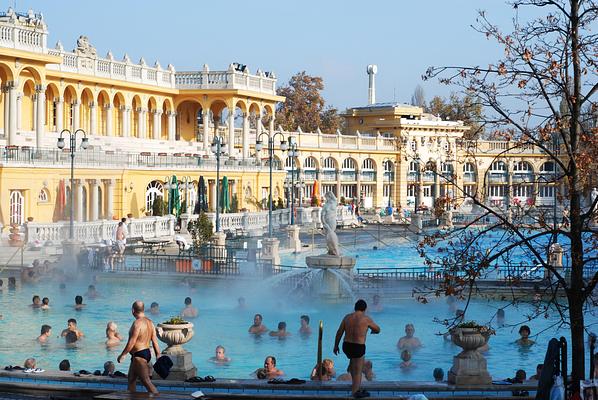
(84, 48)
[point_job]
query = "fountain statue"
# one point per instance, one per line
(332, 258)
(329, 224)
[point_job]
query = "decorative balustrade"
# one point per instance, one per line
(96, 158)
(230, 79)
(98, 231)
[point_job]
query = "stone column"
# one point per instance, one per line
(127, 121)
(78, 200)
(76, 116)
(258, 128)
(231, 133)
(338, 184)
(59, 114)
(108, 196)
(19, 100)
(12, 131)
(40, 115)
(171, 126)
(206, 130)
(93, 121)
(271, 124)
(157, 124)
(245, 153)
(93, 200)
(109, 128)
(358, 179)
(140, 120)
(6, 98)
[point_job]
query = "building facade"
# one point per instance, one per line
(145, 124)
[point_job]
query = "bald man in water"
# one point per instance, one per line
(142, 332)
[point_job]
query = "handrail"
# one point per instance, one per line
(21, 249)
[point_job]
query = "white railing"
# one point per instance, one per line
(23, 31)
(85, 64)
(98, 231)
(230, 79)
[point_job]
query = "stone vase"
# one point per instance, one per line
(175, 336)
(469, 366)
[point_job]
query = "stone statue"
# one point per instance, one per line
(329, 223)
(84, 48)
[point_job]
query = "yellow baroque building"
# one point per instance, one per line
(145, 124)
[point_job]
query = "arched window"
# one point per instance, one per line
(153, 190)
(43, 196)
(413, 166)
(17, 211)
(548, 166)
(446, 168)
(388, 166)
(349, 163)
(368, 164)
(522, 167)
(469, 168)
(498, 166)
(414, 145)
(309, 163)
(289, 163)
(329, 163)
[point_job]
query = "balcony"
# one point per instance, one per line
(494, 177)
(368, 176)
(469, 177)
(348, 176)
(412, 176)
(328, 176)
(108, 159)
(428, 176)
(310, 175)
(522, 178)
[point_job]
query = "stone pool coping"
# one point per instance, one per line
(66, 381)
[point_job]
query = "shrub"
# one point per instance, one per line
(201, 230)
(158, 207)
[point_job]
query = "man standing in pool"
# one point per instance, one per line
(142, 332)
(355, 328)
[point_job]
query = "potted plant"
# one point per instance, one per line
(470, 336)
(175, 332)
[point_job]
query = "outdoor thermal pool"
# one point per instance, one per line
(219, 322)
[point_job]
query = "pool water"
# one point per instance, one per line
(220, 323)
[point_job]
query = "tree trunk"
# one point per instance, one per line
(577, 339)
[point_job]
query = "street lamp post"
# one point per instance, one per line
(72, 149)
(258, 147)
(293, 153)
(218, 148)
(389, 170)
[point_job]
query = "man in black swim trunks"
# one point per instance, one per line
(142, 332)
(355, 328)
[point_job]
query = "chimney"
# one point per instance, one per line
(372, 70)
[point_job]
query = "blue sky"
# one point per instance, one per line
(328, 38)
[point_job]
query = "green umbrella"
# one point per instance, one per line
(174, 198)
(225, 199)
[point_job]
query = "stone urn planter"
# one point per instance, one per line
(469, 366)
(175, 335)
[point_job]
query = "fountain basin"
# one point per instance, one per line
(326, 261)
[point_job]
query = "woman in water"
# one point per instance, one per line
(113, 338)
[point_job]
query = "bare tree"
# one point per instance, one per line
(418, 98)
(534, 98)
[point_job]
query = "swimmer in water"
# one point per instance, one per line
(282, 331)
(113, 338)
(258, 328)
(409, 342)
(220, 357)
